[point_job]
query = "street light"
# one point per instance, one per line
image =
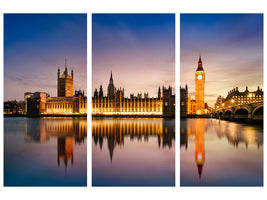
(250, 95)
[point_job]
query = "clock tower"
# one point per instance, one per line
(199, 87)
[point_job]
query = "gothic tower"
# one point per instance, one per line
(111, 87)
(199, 87)
(159, 94)
(65, 83)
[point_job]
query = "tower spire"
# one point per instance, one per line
(65, 63)
(199, 61)
(111, 78)
(199, 66)
(66, 70)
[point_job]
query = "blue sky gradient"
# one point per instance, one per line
(231, 46)
(139, 49)
(35, 45)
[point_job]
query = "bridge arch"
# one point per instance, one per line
(257, 113)
(242, 108)
(241, 113)
(228, 114)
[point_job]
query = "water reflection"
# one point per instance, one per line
(43, 137)
(199, 146)
(229, 136)
(41, 130)
(114, 131)
(133, 146)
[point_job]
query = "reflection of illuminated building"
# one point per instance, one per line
(35, 131)
(116, 104)
(200, 146)
(184, 133)
(198, 128)
(114, 131)
(237, 134)
(66, 131)
(65, 150)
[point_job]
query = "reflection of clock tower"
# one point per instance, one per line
(199, 86)
(200, 145)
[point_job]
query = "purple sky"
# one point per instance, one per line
(35, 45)
(231, 46)
(138, 48)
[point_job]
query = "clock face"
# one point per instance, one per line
(199, 77)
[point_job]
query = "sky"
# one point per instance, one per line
(231, 48)
(139, 49)
(36, 45)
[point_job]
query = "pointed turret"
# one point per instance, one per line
(111, 87)
(58, 73)
(199, 66)
(66, 70)
(159, 93)
(199, 60)
(111, 79)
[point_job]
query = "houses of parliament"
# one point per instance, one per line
(66, 103)
(115, 104)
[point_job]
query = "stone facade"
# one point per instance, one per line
(65, 83)
(40, 103)
(116, 104)
(235, 97)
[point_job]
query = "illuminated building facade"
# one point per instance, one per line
(116, 104)
(199, 88)
(76, 104)
(65, 83)
(14, 107)
(197, 106)
(183, 101)
(35, 103)
(235, 97)
(40, 103)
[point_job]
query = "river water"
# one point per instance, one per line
(133, 152)
(220, 153)
(45, 152)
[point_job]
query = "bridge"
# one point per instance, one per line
(248, 111)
